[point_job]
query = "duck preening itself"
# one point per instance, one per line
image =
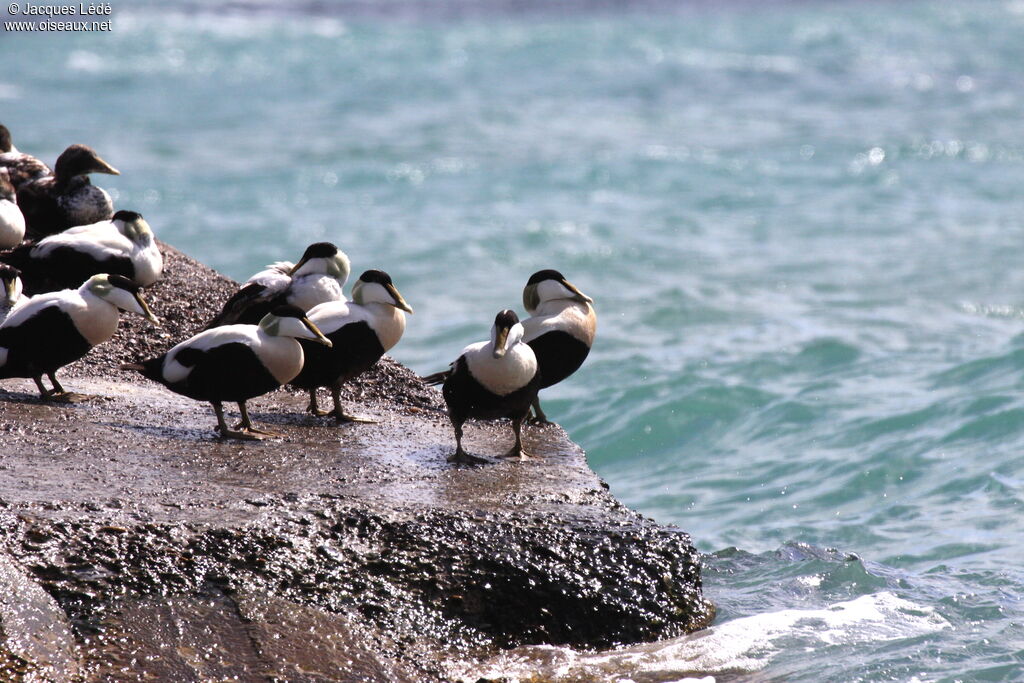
(11, 295)
(361, 331)
(12, 222)
(560, 329)
(318, 277)
(123, 245)
(52, 330)
(67, 198)
(491, 379)
(236, 363)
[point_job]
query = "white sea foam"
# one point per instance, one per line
(741, 645)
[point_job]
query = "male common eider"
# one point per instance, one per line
(123, 245)
(361, 331)
(11, 295)
(67, 198)
(235, 363)
(12, 222)
(317, 278)
(490, 380)
(22, 167)
(51, 330)
(560, 330)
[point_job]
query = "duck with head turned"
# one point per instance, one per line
(52, 330)
(67, 198)
(361, 331)
(123, 245)
(560, 329)
(318, 277)
(235, 363)
(490, 380)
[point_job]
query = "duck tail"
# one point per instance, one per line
(437, 377)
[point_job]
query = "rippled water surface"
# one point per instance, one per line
(801, 221)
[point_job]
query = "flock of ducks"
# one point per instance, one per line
(288, 324)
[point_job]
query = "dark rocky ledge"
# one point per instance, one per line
(138, 546)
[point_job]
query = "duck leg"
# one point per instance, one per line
(460, 456)
(339, 413)
(247, 426)
(517, 451)
(313, 407)
(44, 393)
(57, 393)
(222, 426)
(539, 418)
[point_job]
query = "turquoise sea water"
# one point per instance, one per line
(801, 222)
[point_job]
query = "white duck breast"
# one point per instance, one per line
(12, 221)
(51, 330)
(12, 224)
(561, 329)
(360, 332)
(490, 380)
(502, 376)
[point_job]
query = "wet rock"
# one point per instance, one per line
(334, 553)
(36, 643)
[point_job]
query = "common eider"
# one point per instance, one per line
(317, 278)
(235, 363)
(67, 198)
(52, 330)
(361, 331)
(12, 222)
(490, 380)
(22, 167)
(560, 329)
(123, 245)
(11, 294)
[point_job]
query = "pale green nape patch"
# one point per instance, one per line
(357, 293)
(339, 267)
(271, 324)
(138, 231)
(531, 299)
(100, 286)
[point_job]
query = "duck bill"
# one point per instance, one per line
(579, 296)
(499, 342)
(318, 336)
(296, 267)
(103, 167)
(146, 311)
(399, 301)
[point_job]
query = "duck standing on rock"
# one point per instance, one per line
(560, 329)
(22, 167)
(318, 277)
(52, 330)
(67, 198)
(123, 245)
(361, 331)
(12, 222)
(236, 363)
(11, 295)
(490, 380)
